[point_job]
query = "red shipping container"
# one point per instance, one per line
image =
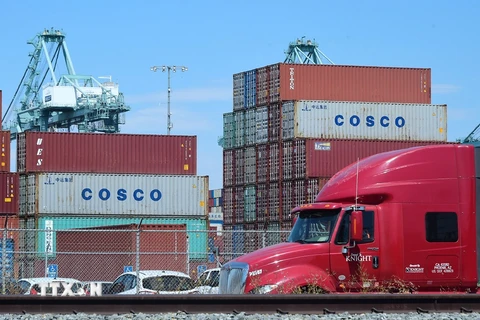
(9, 193)
(239, 205)
(81, 254)
(5, 151)
(228, 204)
(314, 158)
(262, 202)
(228, 168)
(106, 153)
(350, 83)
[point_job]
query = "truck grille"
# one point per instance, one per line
(233, 277)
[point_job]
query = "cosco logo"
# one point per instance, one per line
(121, 194)
(384, 121)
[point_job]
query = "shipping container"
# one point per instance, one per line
(238, 240)
(239, 159)
(273, 233)
(288, 157)
(195, 228)
(239, 91)
(9, 193)
(275, 161)
(101, 253)
(106, 153)
(239, 122)
(261, 123)
(9, 246)
(274, 202)
(228, 204)
(228, 168)
(250, 88)
(349, 83)
(263, 86)
(215, 193)
(251, 237)
(250, 165)
(364, 120)
(274, 122)
(262, 202)
(227, 236)
(250, 126)
(229, 130)
(5, 150)
(262, 163)
(115, 194)
(250, 214)
(239, 205)
(314, 158)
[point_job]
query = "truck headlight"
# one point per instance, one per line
(264, 289)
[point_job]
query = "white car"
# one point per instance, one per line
(207, 282)
(153, 282)
(32, 285)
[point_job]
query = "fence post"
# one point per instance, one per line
(4, 259)
(188, 253)
(137, 255)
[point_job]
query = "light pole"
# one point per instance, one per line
(168, 69)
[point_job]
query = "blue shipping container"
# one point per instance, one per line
(7, 256)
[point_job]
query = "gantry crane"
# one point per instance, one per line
(52, 97)
(305, 52)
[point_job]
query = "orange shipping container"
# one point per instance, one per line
(349, 83)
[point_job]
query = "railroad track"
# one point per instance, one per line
(250, 304)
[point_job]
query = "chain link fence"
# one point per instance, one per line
(103, 253)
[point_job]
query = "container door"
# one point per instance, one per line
(359, 268)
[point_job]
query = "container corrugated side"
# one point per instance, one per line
(364, 120)
(195, 228)
(9, 193)
(161, 247)
(228, 130)
(325, 157)
(106, 153)
(353, 83)
(238, 91)
(119, 194)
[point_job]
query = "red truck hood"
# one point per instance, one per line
(281, 252)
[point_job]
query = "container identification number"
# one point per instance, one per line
(121, 194)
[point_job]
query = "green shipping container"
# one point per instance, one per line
(196, 228)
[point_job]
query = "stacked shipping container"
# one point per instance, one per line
(78, 180)
(303, 123)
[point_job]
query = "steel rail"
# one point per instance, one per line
(249, 304)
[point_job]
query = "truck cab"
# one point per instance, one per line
(400, 221)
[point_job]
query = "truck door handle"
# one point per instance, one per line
(375, 262)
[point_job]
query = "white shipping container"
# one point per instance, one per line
(261, 120)
(117, 194)
(364, 120)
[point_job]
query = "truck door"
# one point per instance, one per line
(359, 268)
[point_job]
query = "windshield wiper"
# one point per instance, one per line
(300, 241)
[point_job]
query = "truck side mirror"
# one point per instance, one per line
(356, 226)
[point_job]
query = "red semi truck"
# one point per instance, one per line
(399, 221)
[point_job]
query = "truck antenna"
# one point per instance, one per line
(356, 186)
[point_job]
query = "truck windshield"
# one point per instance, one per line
(314, 226)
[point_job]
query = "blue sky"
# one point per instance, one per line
(216, 39)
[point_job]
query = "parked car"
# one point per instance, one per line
(32, 285)
(153, 282)
(106, 285)
(208, 280)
